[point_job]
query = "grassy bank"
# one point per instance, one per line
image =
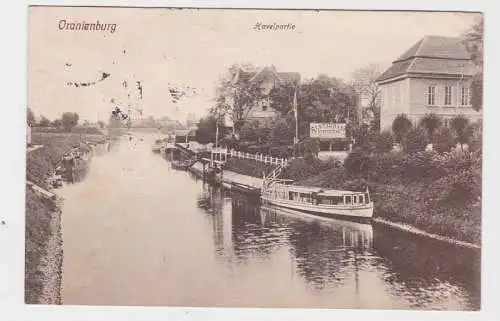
(249, 167)
(42, 213)
(438, 194)
(38, 230)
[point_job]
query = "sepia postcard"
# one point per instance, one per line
(183, 157)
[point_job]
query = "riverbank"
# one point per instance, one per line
(43, 235)
(426, 194)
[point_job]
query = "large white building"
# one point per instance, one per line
(433, 76)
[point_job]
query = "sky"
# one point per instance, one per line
(194, 47)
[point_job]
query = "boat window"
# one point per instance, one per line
(332, 200)
(367, 198)
(361, 199)
(354, 199)
(348, 199)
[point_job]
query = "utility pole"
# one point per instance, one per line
(296, 111)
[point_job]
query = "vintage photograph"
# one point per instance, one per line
(183, 157)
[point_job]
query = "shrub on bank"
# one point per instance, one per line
(384, 142)
(302, 168)
(444, 140)
(415, 140)
(438, 193)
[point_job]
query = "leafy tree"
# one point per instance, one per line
(431, 123)
(69, 120)
(282, 98)
(30, 117)
(460, 125)
(326, 99)
(283, 131)
(415, 140)
(57, 123)
(444, 140)
(44, 122)
(400, 127)
(255, 131)
(234, 98)
(207, 129)
(101, 124)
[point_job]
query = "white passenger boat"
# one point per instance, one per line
(316, 200)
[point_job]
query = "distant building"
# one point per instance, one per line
(270, 79)
(184, 135)
(433, 76)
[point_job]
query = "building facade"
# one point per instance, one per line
(433, 76)
(268, 78)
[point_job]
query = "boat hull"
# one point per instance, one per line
(363, 212)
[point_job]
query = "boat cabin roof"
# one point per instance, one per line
(320, 191)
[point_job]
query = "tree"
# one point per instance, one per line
(255, 131)
(234, 98)
(282, 98)
(101, 124)
(400, 127)
(282, 131)
(326, 99)
(69, 120)
(431, 123)
(30, 117)
(460, 125)
(57, 123)
(206, 131)
(369, 93)
(44, 122)
(473, 40)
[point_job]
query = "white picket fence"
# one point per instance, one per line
(266, 159)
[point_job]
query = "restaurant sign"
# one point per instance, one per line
(327, 130)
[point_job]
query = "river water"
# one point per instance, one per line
(136, 232)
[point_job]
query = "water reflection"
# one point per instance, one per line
(373, 266)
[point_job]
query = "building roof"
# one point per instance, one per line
(432, 55)
(282, 77)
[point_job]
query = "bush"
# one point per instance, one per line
(357, 162)
(400, 127)
(384, 142)
(460, 125)
(302, 168)
(415, 140)
(476, 141)
(444, 140)
(310, 148)
(431, 123)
